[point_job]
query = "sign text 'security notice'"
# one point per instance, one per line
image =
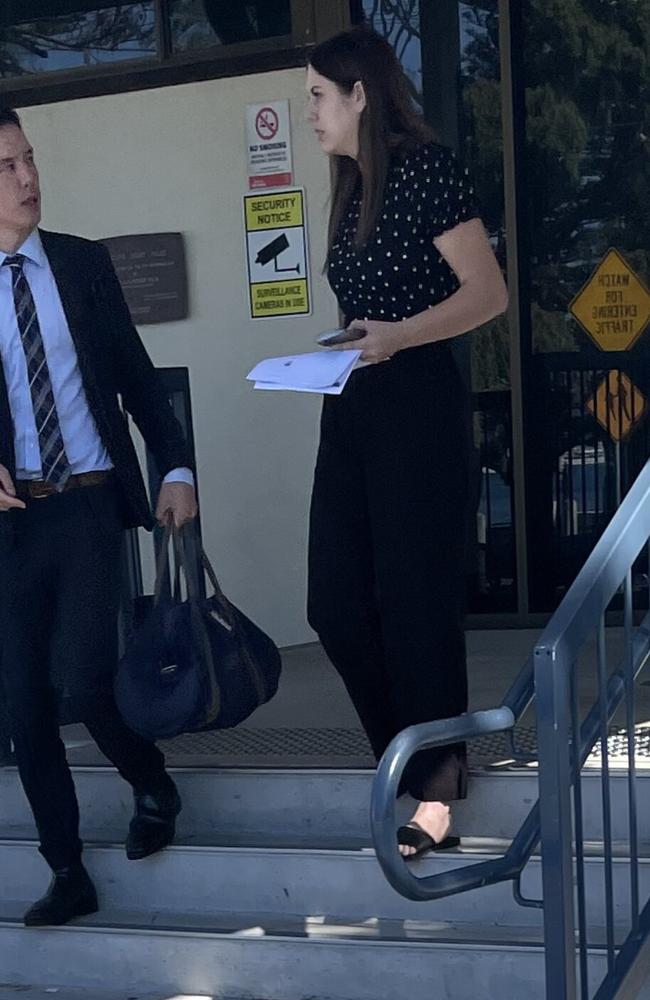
(276, 249)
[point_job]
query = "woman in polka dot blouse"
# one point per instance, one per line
(411, 267)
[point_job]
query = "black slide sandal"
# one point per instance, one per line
(413, 835)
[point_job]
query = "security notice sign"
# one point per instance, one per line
(268, 141)
(614, 305)
(276, 249)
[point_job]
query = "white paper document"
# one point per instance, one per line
(319, 371)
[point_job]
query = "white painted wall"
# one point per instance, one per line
(174, 159)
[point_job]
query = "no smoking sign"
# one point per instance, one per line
(267, 124)
(268, 142)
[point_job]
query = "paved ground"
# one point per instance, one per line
(311, 722)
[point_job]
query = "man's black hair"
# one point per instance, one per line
(9, 117)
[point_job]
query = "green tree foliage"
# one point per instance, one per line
(399, 22)
(38, 35)
(587, 169)
(491, 356)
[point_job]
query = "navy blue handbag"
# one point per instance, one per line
(196, 663)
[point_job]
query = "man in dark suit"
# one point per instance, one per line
(69, 484)
(6, 755)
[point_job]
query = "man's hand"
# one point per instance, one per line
(380, 342)
(8, 498)
(178, 499)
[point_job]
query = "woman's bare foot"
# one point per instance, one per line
(434, 818)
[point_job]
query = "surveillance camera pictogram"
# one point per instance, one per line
(272, 251)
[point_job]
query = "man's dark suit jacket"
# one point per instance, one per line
(113, 362)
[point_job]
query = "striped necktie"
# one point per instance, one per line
(54, 461)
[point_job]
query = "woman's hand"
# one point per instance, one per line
(380, 341)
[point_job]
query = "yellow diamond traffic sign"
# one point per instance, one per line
(617, 405)
(614, 305)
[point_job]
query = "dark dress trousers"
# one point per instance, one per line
(60, 580)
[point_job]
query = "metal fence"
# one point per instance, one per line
(492, 583)
(589, 439)
(551, 675)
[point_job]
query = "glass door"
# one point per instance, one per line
(583, 179)
(451, 55)
(570, 94)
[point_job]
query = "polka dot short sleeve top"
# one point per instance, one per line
(399, 272)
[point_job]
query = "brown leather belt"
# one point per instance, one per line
(38, 489)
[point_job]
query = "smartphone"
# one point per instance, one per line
(340, 336)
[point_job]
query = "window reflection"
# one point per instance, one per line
(202, 23)
(493, 569)
(482, 148)
(481, 132)
(471, 79)
(399, 22)
(70, 40)
(587, 143)
(481, 145)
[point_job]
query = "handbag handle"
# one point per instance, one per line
(198, 556)
(212, 577)
(181, 564)
(162, 562)
(184, 543)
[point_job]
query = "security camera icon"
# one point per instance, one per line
(272, 251)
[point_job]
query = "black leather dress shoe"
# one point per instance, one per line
(71, 894)
(154, 823)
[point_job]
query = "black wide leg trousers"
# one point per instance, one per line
(59, 599)
(387, 553)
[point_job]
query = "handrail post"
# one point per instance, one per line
(552, 684)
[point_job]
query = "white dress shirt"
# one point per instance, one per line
(83, 445)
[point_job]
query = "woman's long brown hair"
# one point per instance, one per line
(387, 122)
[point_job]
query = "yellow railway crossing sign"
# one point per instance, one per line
(618, 405)
(613, 306)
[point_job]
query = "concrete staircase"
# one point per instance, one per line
(272, 892)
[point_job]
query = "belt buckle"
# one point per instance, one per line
(39, 489)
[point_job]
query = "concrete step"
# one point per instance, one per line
(319, 803)
(333, 883)
(14, 991)
(291, 958)
(272, 892)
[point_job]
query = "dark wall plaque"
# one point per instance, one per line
(153, 275)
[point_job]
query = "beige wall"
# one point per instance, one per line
(175, 160)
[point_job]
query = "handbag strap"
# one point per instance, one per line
(226, 613)
(196, 556)
(184, 543)
(162, 562)
(189, 556)
(186, 555)
(222, 600)
(176, 586)
(182, 564)
(212, 576)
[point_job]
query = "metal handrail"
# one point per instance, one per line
(496, 720)
(577, 616)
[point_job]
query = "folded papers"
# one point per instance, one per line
(319, 371)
